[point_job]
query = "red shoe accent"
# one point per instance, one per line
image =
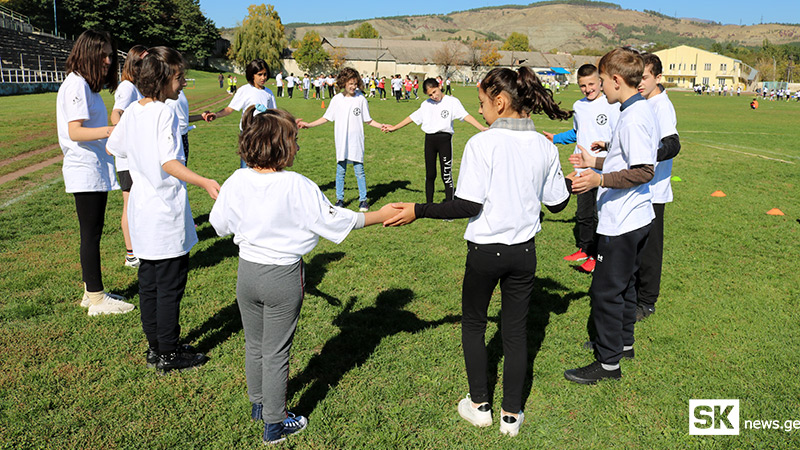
(577, 256)
(588, 266)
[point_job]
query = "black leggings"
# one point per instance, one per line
(91, 207)
(162, 283)
(514, 267)
(440, 144)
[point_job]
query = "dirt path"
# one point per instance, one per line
(30, 169)
(13, 159)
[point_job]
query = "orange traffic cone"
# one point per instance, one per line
(775, 212)
(323, 104)
(718, 194)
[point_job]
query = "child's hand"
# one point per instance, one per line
(208, 116)
(302, 125)
(404, 215)
(583, 159)
(387, 128)
(549, 136)
(585, 181)
(598, 145)
(212, 187)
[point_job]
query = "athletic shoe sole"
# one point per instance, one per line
(466, 411)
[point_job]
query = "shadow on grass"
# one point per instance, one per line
(376, 192)
(360, 334)
(315, 272)
(214, 254)
(227, 321)
(546, 300)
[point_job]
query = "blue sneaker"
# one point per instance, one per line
(275, 433)
(255, 413)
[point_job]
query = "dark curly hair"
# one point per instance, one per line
(347, 74)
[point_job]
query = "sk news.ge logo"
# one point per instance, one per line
(714, 417)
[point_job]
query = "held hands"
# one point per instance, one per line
(598, 146)
(585, 181)
(386, 128)
(302, 124)
(404, 214)
(582, 160)
(208, 116)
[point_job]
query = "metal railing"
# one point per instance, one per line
(31, 76)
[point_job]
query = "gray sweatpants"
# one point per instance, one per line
(269, 299)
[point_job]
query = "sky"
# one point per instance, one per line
(227, 13)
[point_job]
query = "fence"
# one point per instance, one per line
(31, 76)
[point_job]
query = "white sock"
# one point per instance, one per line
(610, 367)
(627, 347)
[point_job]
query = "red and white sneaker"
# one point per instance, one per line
(588, 265)
(577, 256)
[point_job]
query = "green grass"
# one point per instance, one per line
(377, 359)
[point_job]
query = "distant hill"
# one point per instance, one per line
(567, 26)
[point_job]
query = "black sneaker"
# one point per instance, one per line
(642, 311)
(275, 433)
(180, 361)
(339, 203)
(626, 354)
(151, 355)
(591, 374)
(255, 412)
(363, 206)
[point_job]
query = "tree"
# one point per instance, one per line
(175, 23)
(516, 42)
(337, 58)
(310, 55)
(481, 53)
(260, 36)
(364, 31)
(448, 56)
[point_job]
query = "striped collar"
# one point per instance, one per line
(524, 124)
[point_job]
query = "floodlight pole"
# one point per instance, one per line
(55, 18)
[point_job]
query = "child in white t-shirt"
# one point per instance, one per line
(625, 214)
(594, 120)
(254, 93)
(349, 110)
(82, 124)
(161, 223)
(125, 95)
(276, 217)
(306, 86)
(507, 173)
(648, 278)
(436, 116)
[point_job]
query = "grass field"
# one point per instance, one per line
(377, 361)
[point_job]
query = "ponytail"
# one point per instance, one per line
(527, 94)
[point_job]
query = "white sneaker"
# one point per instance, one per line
(132, 261)
(510, 425)
(480, 416)
(110, 305)
(85, 302)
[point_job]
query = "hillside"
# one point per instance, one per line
(564, 27)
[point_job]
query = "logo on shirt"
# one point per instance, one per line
(356, 112)
(445, 114)
(602, 119)
(600, 258)
(76, 100)
(332, 211)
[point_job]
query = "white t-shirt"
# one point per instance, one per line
(330, 81)
(306, 83)
(436, 117)
(660, 185)
(125, 94)
(249, 95)
(593, 121)
(159, 217)
(87, 167)
(279, 79)
(348, 115)
(290, 80)
(277, 217)
(511, 173)
(181, 108)
(634, 142)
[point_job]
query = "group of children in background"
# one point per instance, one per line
(625, 137)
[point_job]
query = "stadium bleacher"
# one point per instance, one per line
(33, 51)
